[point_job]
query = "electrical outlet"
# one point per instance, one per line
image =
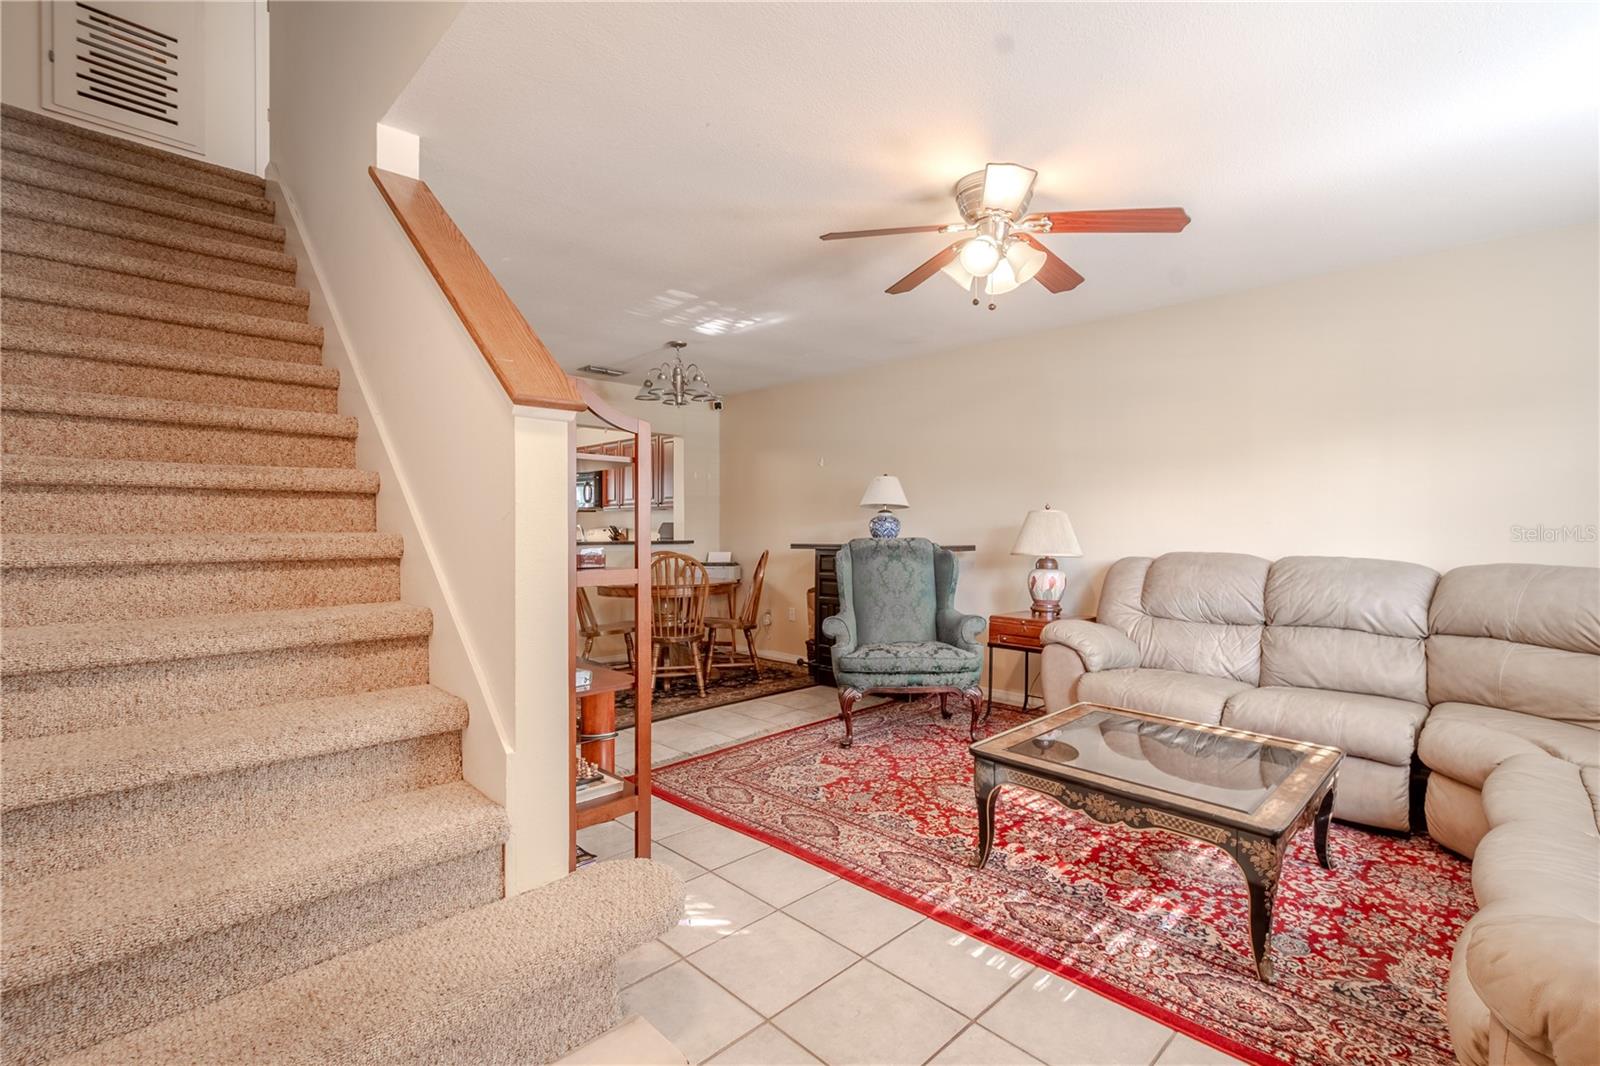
(766, 618)
(792, 615)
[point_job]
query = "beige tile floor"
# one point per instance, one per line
(777, 961)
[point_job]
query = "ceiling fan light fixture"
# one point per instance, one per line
(1023, 259)
(1002, 280)
(1007, 187)
(979, 256)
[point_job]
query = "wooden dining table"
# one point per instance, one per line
(727, 589)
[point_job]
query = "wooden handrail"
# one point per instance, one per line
(525, 367)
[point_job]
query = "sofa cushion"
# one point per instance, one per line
(1194, 697)
(891, 583)
(1218, 588)
(1590, 776)
(1377, 596)
(1466, 742)
(911, 657)
(1543, 789)
(1345, 660)
(1522, 637)
(1190, 612)
(1548, 682)
(1547, 606)
(1351, 625)
(1368, 727)
(1373, 793)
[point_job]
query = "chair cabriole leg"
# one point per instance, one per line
(847, 703)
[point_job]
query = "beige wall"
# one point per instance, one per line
(235, 79)
(1417, 410)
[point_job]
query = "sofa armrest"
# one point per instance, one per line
(959, 629)
(1101, 647)
(1059, 670)
(1540, 978)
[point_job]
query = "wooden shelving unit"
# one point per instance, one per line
(634, 799)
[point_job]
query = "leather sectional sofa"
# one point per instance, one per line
(1486, 679)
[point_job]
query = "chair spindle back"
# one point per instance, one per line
(679, 589)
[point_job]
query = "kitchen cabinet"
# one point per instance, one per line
(665, 449)
(617, 487)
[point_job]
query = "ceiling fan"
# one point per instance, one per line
(1004, 251)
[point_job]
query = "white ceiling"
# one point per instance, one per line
(636, 173)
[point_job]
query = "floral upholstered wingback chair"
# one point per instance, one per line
(898, 629)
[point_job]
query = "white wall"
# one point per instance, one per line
(235, 83)
(1415, 410)
(466, 482)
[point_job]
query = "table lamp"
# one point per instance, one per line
(1046, 534)
(884, 492)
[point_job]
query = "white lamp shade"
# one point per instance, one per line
(885, 491)
(1046, 533)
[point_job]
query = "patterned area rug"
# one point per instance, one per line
(680, 696)
(1153, 921)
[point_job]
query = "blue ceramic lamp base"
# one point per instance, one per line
(884, 525)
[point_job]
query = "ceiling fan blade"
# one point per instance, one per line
(1055, 275)
(847, 234)
(1132, 220)
(925, 271)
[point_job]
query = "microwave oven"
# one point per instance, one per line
(589, 490)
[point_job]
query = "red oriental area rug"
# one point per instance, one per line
(1153, 921)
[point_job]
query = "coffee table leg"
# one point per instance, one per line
(1261, 861)
(1324, 816)
(1261, 896)
(984, 784)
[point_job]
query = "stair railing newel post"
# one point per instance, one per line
(638, 803)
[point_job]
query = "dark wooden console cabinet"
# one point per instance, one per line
(825, 579)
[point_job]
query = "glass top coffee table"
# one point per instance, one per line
(1246, 793)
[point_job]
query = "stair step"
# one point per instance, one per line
(67, 362)
(46, 306)
(71, 193)
(112, 947)
(64, 925)
(71, 766)
(52, 578)
(93, 229)
(78, 799)
(88, 425)
(45, 154)
(426, 995)
(42, 127)
(54, 494)
(97, 646)
(85, 268)
(83, 675)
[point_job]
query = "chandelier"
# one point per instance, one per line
(675, 384)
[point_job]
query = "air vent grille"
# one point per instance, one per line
(125, 65)
(130, 64)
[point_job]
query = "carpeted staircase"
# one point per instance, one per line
(223, 761)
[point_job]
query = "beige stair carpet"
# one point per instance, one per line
(225, 771)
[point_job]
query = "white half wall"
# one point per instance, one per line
(236, 62)
(435, 422)
(1425, 409)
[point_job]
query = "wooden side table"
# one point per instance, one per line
(597, 710)
(1017, 631)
